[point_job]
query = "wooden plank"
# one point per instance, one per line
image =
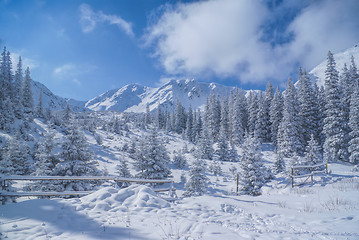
(308, 166)
(78, 178)
(161, 189)
(37, 194)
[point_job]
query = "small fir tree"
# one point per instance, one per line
(198, 181)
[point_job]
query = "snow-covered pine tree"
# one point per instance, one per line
(45, 163)
(222, 152)
(148, 117)
(215, 168)
(76, 160)
(18, 79)
(17, 157)
(276, 115)
(205, 149)
(252, 112)
(261, 123)
(313, 155)
(27, 97)
(252, 170)
(39, 108)
(122, 170)
(353, 72)
(354, 127)
(179, 160)
(189, 125)
(160, 118)
(308, 109)
(335, 145)
(268, 97)
(289, 132)
(179, 118)
(279, 164)
(213, 116)
(198, 181)
(152, 159)
(224, 122)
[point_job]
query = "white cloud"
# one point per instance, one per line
(224, 38)
(65, 69)
(89, 20)
(71, 72)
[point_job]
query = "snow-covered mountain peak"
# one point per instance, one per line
(318, 73)
(135, 98)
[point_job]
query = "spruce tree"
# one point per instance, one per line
(276, 115)
(335, 146)
(122, 170)
(153, 157)
(76, 160)
(313, 155)
(27, 96)
(289, 132)
(198, 181)
(308, 109)
(179, 160)
(18, 79)
(354, 127)
(252, 170)
(252, 112)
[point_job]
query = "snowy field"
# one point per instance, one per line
(325, 209)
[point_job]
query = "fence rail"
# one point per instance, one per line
(309, 175)
(4, 193)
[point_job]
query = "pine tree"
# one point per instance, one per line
(153, 158)
(215, 168)
(189, 125)
(262, 122)
(179, 118)
(308, 109)
(148, 118)
(76, 160)
(18, 79)
(354, 127)
(205, 149)
(313, 155)
(252, 111)
(39, 108)
(279, 164)
(276, 115)
(335, 147)
(237, 116)
(252, 170)
(179, 160)
(289, 132)
(123, 171)
(197, 182)
(213, 116)
(27, 97)
(160, 121)
(222, 152)
(17, 156)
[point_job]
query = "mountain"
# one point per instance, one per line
(134, 97)
(317, 74)
(50, 100)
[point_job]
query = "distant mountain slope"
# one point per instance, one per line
(134, 97)
(318, 73)
(50, 100)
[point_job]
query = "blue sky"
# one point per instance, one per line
(80, 49)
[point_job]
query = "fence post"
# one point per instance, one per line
(237, 183)
(326, 168)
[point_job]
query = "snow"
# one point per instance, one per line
(318, 73)
(326, 208)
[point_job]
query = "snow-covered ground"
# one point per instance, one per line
(325, 209)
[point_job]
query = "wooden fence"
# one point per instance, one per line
(5, 193)
(309, 175)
